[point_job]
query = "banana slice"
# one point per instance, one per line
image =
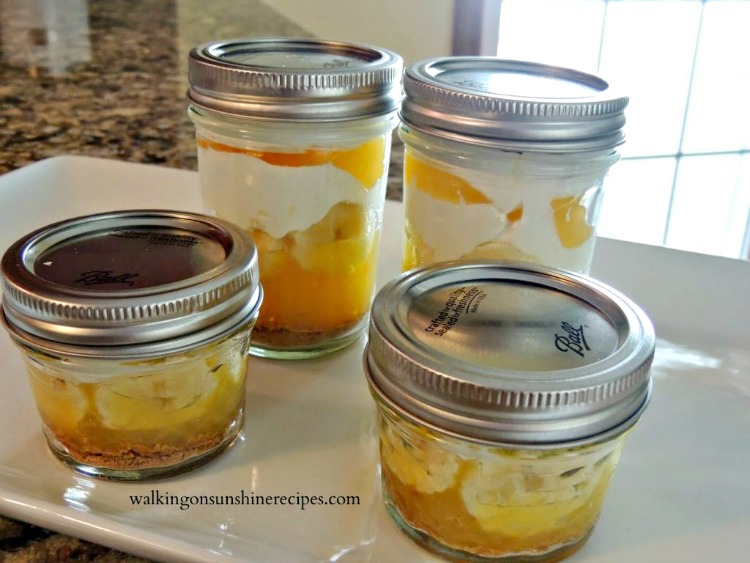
(61, 403)
(498, 251)
(229, 365)
(510, 499)
(156, 399)
(416, 251)
(272, 252)
(338, 243)
(419, 464)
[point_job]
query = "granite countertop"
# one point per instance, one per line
(108, 79)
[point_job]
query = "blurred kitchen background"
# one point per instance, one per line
(107, 78)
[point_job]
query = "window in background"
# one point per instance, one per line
(684, 180)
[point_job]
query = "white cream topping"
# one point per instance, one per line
(251, 193)
(453, 230)
(537, 232)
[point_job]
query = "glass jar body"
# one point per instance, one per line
(475, 502)
(465, 201)
(311, 195)
(131, 419)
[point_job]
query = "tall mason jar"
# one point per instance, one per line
(505, 160)
(294, 142)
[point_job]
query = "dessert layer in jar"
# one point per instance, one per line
(315, 215)
(507, 211)
(134, 415)
(485, 501)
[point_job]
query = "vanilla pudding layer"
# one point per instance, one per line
(315, 215)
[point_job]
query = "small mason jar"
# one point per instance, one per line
(504, 394)
(505, 160)
(134, 327)
(294, 141)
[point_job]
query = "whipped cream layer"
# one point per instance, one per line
(276, 199)
(469, 211)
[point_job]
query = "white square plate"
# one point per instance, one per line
(681, 492)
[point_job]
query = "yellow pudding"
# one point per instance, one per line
(315, 216)
(327, 271)
(439, 183)
(489, 501)
(151, 413)
(570, 221)
(453, 213)
(495, 440)
(365, 162)
(139, 334)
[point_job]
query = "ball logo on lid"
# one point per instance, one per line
(337, 63)
(97, 277)
(475, 84)
(572, 341)
(130, 258)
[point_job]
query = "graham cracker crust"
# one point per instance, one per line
(137, 456)
(282, 338)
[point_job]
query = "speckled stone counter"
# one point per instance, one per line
(107, 79)
(112, 83)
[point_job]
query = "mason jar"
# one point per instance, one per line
(504, 395)
(134, 328)
(505, 160)
(294, 139)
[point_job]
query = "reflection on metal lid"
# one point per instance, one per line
(295, 79)
(515, 105)
(509, 352)
(129, 279)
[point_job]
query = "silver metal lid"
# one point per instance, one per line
(129, 283)
(514, 105)
(294, 79)
(510, 353)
